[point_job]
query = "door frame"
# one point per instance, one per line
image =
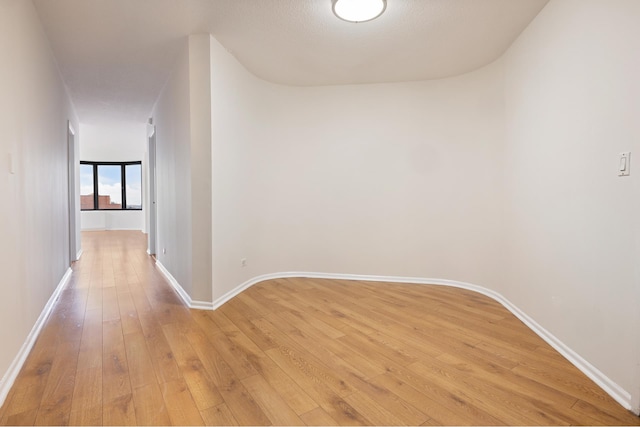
(73, 212)
(152, 240)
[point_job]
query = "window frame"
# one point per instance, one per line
(123, 181)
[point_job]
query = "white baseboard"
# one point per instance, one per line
(246, 285)
(14, 369)
(621, 396)
(201, 305)
(184, 296)
(112, 229)
(78, 255)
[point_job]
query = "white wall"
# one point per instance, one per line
(34, 230)
(573, 104)
(200, 93)
(392, 179)
(183, 141)
(171, 116)
(114, 142)
(107, 220)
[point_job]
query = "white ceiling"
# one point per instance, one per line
(115, 55)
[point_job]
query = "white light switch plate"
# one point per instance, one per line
(624, 163)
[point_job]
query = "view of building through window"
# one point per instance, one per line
(109, 179)
(86, 187)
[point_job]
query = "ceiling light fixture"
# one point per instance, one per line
(358, 10)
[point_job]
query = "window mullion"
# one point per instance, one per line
(95, 186)
(124, 186)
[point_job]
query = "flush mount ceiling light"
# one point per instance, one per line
(358, 10)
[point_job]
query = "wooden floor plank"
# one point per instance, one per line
(128, 312)
(119, 412)
(603, 414)
(423, 402)
(55, 407)
(120, 348)
(539, 406)
(243, 407)
(162, 358)
(306, 360)
(312, 381)
(450, 396)
(218, 416)
(29, 387)
(110, 307)
(272, 404)
(150, 407)
(349, 365)
(86, 407)
(235, 357)
(310, 337)
(115, 368)
(180, 404)
(566, 381)
(26, 418)
(318, 417)
(376, 413)
(392, 403)
(202, 388)
(484, 396)
(290, 391)
(141, 370)
(91, 343)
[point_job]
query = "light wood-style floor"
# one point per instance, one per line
(120, 348)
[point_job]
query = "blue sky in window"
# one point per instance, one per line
(133, 175)
(108, 174)
(109, 182)
(86, 179)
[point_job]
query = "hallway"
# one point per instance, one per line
(121, 349)
(103, 343)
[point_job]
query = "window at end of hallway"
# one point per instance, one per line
(110, 185)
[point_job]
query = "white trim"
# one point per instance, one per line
(235, 291)
(184, 296)
(113, 229)
(621, 396)
(78, 255)
(72, 202)
(607, 384)
(10, 376)
(201, 305)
